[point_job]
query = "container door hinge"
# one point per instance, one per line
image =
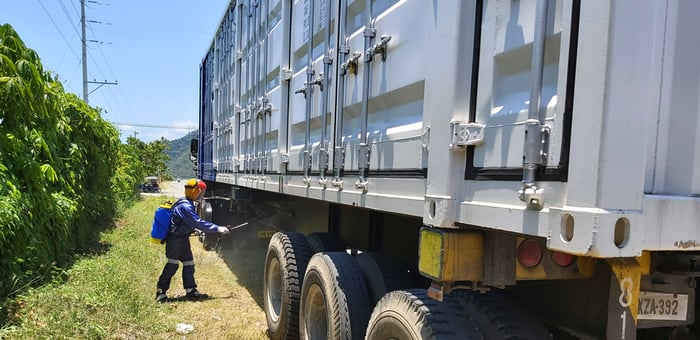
(307, 167)
(536, 155)
(465, 134)
(338, 165)
(263, 164)
(363, 160)
(323, 167)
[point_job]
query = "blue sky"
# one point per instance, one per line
(151, 48)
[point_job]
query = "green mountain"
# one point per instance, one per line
(179, 164)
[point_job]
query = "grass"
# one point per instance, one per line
(110, 294)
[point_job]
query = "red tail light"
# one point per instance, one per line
(530, 253)
(563, 259)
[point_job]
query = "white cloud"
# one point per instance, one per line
(185, 124)
(150, 132)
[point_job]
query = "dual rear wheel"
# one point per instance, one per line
(285, 264)
(323, 296)
(331, 295)
(334, 298)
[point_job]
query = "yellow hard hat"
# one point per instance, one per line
(193, 187)
(196, 183)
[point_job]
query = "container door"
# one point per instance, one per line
(223, 95)
(383, 92)
(271, 44)
(260, 107)
(308, 23)
(205, 161)
(246, 101)
(505, 81)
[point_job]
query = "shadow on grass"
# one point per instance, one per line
(96, 248)
(244, 252)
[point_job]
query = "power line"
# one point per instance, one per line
(65, 52)
(117, 109)
(70, 19)
(111, 72)
(58, 29)
(175, 127)
(76, 32)
(75, 9)
(83, 24)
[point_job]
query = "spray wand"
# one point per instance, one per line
(238, 226)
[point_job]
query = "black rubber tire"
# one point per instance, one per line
(383, 273)
(334, 300)
(287, 257)
(324, 242)
(412, 315)
(498, 318)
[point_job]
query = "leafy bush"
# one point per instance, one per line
(62, 168)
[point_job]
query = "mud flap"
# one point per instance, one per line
(623, 298)
(621, 321)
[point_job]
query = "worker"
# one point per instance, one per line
(177, 244)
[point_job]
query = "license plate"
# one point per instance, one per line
(662, 306)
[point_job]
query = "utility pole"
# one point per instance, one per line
(83, 23)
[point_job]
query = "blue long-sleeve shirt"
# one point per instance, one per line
(186, 219)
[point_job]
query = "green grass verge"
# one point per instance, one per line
(110, 294)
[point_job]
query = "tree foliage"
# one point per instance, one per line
(62, 167)
(151, 154)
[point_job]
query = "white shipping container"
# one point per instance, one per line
(574, 123)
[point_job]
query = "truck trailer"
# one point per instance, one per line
(492, 169)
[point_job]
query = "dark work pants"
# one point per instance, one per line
(177, 249)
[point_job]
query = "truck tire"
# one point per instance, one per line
(334, 300)
(412, 315)
(383, 273)
(287, 257)
(498, 318)
(324, 242)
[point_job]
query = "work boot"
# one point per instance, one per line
(194, 294)
(160, 296)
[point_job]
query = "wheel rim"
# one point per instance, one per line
(315, 321)
(390, 326)
(274, 288)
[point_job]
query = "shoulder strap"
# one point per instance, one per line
(175, 219)
(179, 200)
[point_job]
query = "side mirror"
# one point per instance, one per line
(194, 147)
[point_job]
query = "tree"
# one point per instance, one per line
(151, 154)
(57, 169)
